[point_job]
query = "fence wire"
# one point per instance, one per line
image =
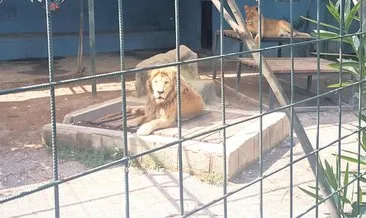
(126, 160)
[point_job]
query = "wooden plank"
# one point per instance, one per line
(285, 39)
(305, 65)
(187, 124)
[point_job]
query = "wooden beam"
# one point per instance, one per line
(240, 28)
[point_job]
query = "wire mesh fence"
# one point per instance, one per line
(329, 189)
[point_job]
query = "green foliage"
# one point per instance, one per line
(352, 64)
(333, 34)
(90, 158)
(342, 197)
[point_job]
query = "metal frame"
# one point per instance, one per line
(125, 161)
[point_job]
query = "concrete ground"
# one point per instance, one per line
(25, 164)
(156, 193)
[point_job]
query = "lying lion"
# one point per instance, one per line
(270, 27)
(160, 110)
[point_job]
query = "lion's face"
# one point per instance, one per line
(251, 14)
(162, 84)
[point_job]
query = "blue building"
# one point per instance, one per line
(148, 25)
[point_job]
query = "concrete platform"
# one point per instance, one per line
(201, 156)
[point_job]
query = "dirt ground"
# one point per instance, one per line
(23, 158)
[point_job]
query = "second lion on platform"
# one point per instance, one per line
(270, 27)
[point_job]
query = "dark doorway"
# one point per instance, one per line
(206, 25)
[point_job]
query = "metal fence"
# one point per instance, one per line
(311, 155)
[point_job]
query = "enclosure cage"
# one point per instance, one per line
(330, 187)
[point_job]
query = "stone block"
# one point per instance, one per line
(206, 88)
(276, 132)
(96, 141)
(216, 165)
(266, 139)
(112, 143)
(285, 126)
(64, 136)
(85, 140)
(196, 162)
(232, 163)
(247, 152)
(188, 71)
(169, 157)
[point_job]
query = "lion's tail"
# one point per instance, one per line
(298, 33)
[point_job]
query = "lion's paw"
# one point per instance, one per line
(136, 111)
(145, 129)
(132, 123)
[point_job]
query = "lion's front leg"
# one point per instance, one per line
(153, 125)
(137, 121)
(136, 110)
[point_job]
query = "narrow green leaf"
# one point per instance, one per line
(360, 193)
(331, 177)
(356, 42)
(353, 160)
(363, 117)
(346, 8)
(363, 142)
(344, 64)
(321, 23)
(319, 197)
(324, 34)
(338, 85)
(313, 187)
(350, 152)
(350, 16)
(362, 179)
(344, 200)
(337, 173)
(345, 184)
(333, 11)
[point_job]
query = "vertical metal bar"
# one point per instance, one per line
(92, 44)
(260, 81)
(340, 104)
(317, 107)
(179, 114)
(223, 114)
(292, 115)
(214, 62)
(53, 107)
(360, 90)
(123, 94)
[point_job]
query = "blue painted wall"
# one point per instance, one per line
(148, 25)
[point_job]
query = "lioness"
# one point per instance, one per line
(270, 27)
(160, 110)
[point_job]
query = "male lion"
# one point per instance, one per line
(160, 110)
(270, 27)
